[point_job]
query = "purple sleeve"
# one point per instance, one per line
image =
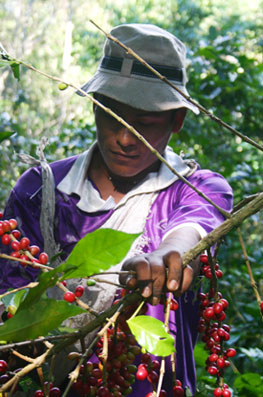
(189, 207)
(23, 205)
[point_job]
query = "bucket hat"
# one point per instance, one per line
(121, 77)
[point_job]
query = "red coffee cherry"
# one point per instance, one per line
(16, 234)
(209, 313)
(220, 363)
(204, 258)
(24, 258)
(3, 366)
(103, 391)
(174, 305)
(12, 223)
(218, 307)
(178, 391)
(213, 370)
(79, 291)
(6, 239)
(224, 303)
(142, 373)
(38, 393)
(15, 245)
(6, 226)
(231, 352)
(69, 296)
(226, 393)
(24, 243)
(54, 392)
(34, 249)
(218, 392)
(43, 258)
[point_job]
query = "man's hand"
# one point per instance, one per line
(162, 269)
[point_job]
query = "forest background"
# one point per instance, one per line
(225, 52)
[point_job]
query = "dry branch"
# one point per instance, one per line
(251, 208)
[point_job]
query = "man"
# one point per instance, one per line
(119, 183)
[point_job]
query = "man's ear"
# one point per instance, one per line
(179, 119)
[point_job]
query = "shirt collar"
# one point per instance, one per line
(76, 181)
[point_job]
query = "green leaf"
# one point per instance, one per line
(12, 301)
(251, 384)
(37, 320)
(200, 355)
(150, 334)
(188, 392)
(99, 251)
(16, 71)
(5, 135)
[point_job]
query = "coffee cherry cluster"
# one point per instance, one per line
(120, 372)
(215, 331)
(21, 247)
(206, 268)
(71, 296)
(3, 372)
(148, 370)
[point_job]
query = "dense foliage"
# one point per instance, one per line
(226, 76)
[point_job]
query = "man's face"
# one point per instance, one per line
(123, 153)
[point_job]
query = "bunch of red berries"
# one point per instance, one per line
(215, 332)
(148, 370)
(70, 296)
(21, 248)
(206, 268)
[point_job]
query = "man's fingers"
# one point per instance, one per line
(143, 279)
(158, 277)
(188, 277)
(174, 264)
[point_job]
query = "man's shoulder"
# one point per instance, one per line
(31, 180)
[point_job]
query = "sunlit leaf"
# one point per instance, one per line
(37, 320)
(99, 251)
(150, 333)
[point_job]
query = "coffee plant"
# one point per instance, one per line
(31, 319)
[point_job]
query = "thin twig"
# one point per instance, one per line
(121, 272)
(32, 342)
(166, 326)
(23, 261)
(252, 280)
(30, 285)
(101, 280)
(187, 97)
(22, 356)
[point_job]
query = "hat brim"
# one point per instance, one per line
(149, 94)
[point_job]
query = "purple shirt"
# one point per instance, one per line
(175, 205)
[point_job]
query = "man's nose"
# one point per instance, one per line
(125, 137)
